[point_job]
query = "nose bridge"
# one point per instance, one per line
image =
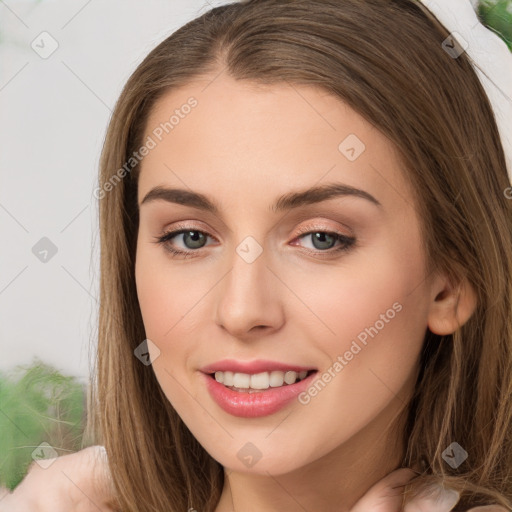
(249, 266)
(248, 298)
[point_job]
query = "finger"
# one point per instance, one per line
(386, 494)
(433, 498)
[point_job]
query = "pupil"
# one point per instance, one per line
(194, 238)
(321, 238)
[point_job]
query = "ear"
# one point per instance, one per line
(451, 306)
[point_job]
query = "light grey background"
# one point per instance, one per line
(53, 115)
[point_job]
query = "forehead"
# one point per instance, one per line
(237, 135)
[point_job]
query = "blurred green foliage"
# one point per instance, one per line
(37, 403)
(497, 15)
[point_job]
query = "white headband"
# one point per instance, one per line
(489, 55)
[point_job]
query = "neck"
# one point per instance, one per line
(332, 483)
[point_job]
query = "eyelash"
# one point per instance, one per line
(348, 241)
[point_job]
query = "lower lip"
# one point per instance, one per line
(256, 404)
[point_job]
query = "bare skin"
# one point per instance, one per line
(80, 482)
(76, 482)
(243, 147)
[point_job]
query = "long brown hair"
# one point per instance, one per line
(384, 58)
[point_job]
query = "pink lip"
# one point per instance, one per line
(256, 404)
(251, 367)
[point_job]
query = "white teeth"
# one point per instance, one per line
(276, 379)
(262, 380)
(228, 378)
(290, 377)
(241, 380)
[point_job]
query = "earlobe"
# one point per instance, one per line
(451, 307)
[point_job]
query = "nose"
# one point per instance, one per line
(249, 299)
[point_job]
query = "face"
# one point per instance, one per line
(332, 282)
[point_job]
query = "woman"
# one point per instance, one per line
(306, 251)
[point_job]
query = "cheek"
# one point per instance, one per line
(373, 294)
(363, 320)
(172, 307)
(374, 314)
(153, 292)
(168, 298)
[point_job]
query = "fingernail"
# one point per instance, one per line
(448, 498)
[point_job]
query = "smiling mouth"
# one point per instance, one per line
(251, 383)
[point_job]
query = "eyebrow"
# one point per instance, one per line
(287, 201)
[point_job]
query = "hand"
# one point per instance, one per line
(79, 481)
(386, 496)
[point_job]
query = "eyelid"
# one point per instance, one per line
(322, 227)
(318, 225)
(188, 225)
(179, 228)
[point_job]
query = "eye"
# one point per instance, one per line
(193, 239)
(325, 241)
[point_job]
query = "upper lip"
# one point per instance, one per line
(252, 367)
